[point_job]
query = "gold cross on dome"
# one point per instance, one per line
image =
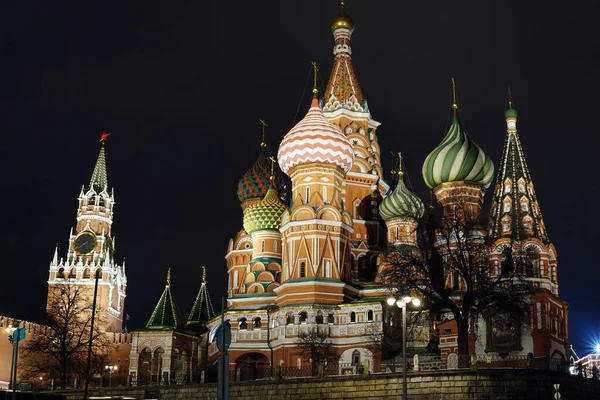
(264, 126)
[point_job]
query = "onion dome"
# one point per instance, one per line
(457, 159)
(266, 214)
(510, 113)
(401, 203)
(342, 21)
(315, 140)
(255, 182)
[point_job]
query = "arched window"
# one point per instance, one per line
(257, 323)
(327, 269)
(456, 281)
(86, 273)
(319, 317)
(330, 318)
(302, 269)
(370, 315)
(289, 318)
(303, 317)
(243, 324)
(60, 274)
(506, 263)
(72, 273)
(352, 316)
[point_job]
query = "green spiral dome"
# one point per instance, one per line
(266, 214)
(457, 159)
(401, 203)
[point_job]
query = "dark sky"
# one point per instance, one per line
(182, 86)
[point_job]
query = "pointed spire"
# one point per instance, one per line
(343, 90)
(202, 311)
(99, 181)
(55, 258)
(165, 315)
(515, 210)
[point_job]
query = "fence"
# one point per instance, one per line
(262, 371)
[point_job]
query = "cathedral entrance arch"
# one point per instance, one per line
(252, 366)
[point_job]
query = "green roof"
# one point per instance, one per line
(166, 315)
(510, 113)
(99, 181)
(202, 311)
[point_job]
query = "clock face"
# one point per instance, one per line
(85, 243)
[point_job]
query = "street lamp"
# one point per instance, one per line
(111, 370)
(10, 330)
(401, 303)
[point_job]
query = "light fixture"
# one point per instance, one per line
(406, 299)
(390, 301)
(400, 303)
(416, 302)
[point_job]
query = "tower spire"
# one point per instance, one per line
(99, 181)
(515, 210)
(169, 277)
(202, 310)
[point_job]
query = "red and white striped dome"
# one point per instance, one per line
(315, 140)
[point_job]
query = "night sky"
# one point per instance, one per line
(182, 85)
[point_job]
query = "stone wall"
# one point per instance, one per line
(435, 385)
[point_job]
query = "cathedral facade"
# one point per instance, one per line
(314, 263)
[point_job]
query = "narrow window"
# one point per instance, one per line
(289, 318)
(243, 324)
(355, 357)
(262, 246)
(275, 246)
(302, 269)
(325, 193)
(307, 194)
(235, 279)
(319, 317)
(370, 315)
(257, 323)
(327, 269)
(352, 316)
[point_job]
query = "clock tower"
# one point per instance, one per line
(91, 249)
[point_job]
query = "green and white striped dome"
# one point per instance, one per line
(266, 214)
(457, 159)
(401, 203)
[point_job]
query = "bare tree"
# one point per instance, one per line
(59, 349)
(316, 348)
(452, 269)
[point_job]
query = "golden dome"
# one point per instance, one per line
(342, 21)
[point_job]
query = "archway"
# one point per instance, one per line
(144, 365)
(252, 366)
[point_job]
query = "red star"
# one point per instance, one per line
(104, 136)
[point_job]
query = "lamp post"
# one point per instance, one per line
(10, 330)
(111, 370)
(401, 303)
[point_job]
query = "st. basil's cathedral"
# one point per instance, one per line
(314, 262)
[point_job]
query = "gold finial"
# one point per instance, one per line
(342, 4)
(315, 90)
(400, 171)
(454, 102)
(263, 144)
(203, 274)
(169, 277)
(272, 177)
(509, 98)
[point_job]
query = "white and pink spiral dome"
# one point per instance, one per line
(315, 140)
